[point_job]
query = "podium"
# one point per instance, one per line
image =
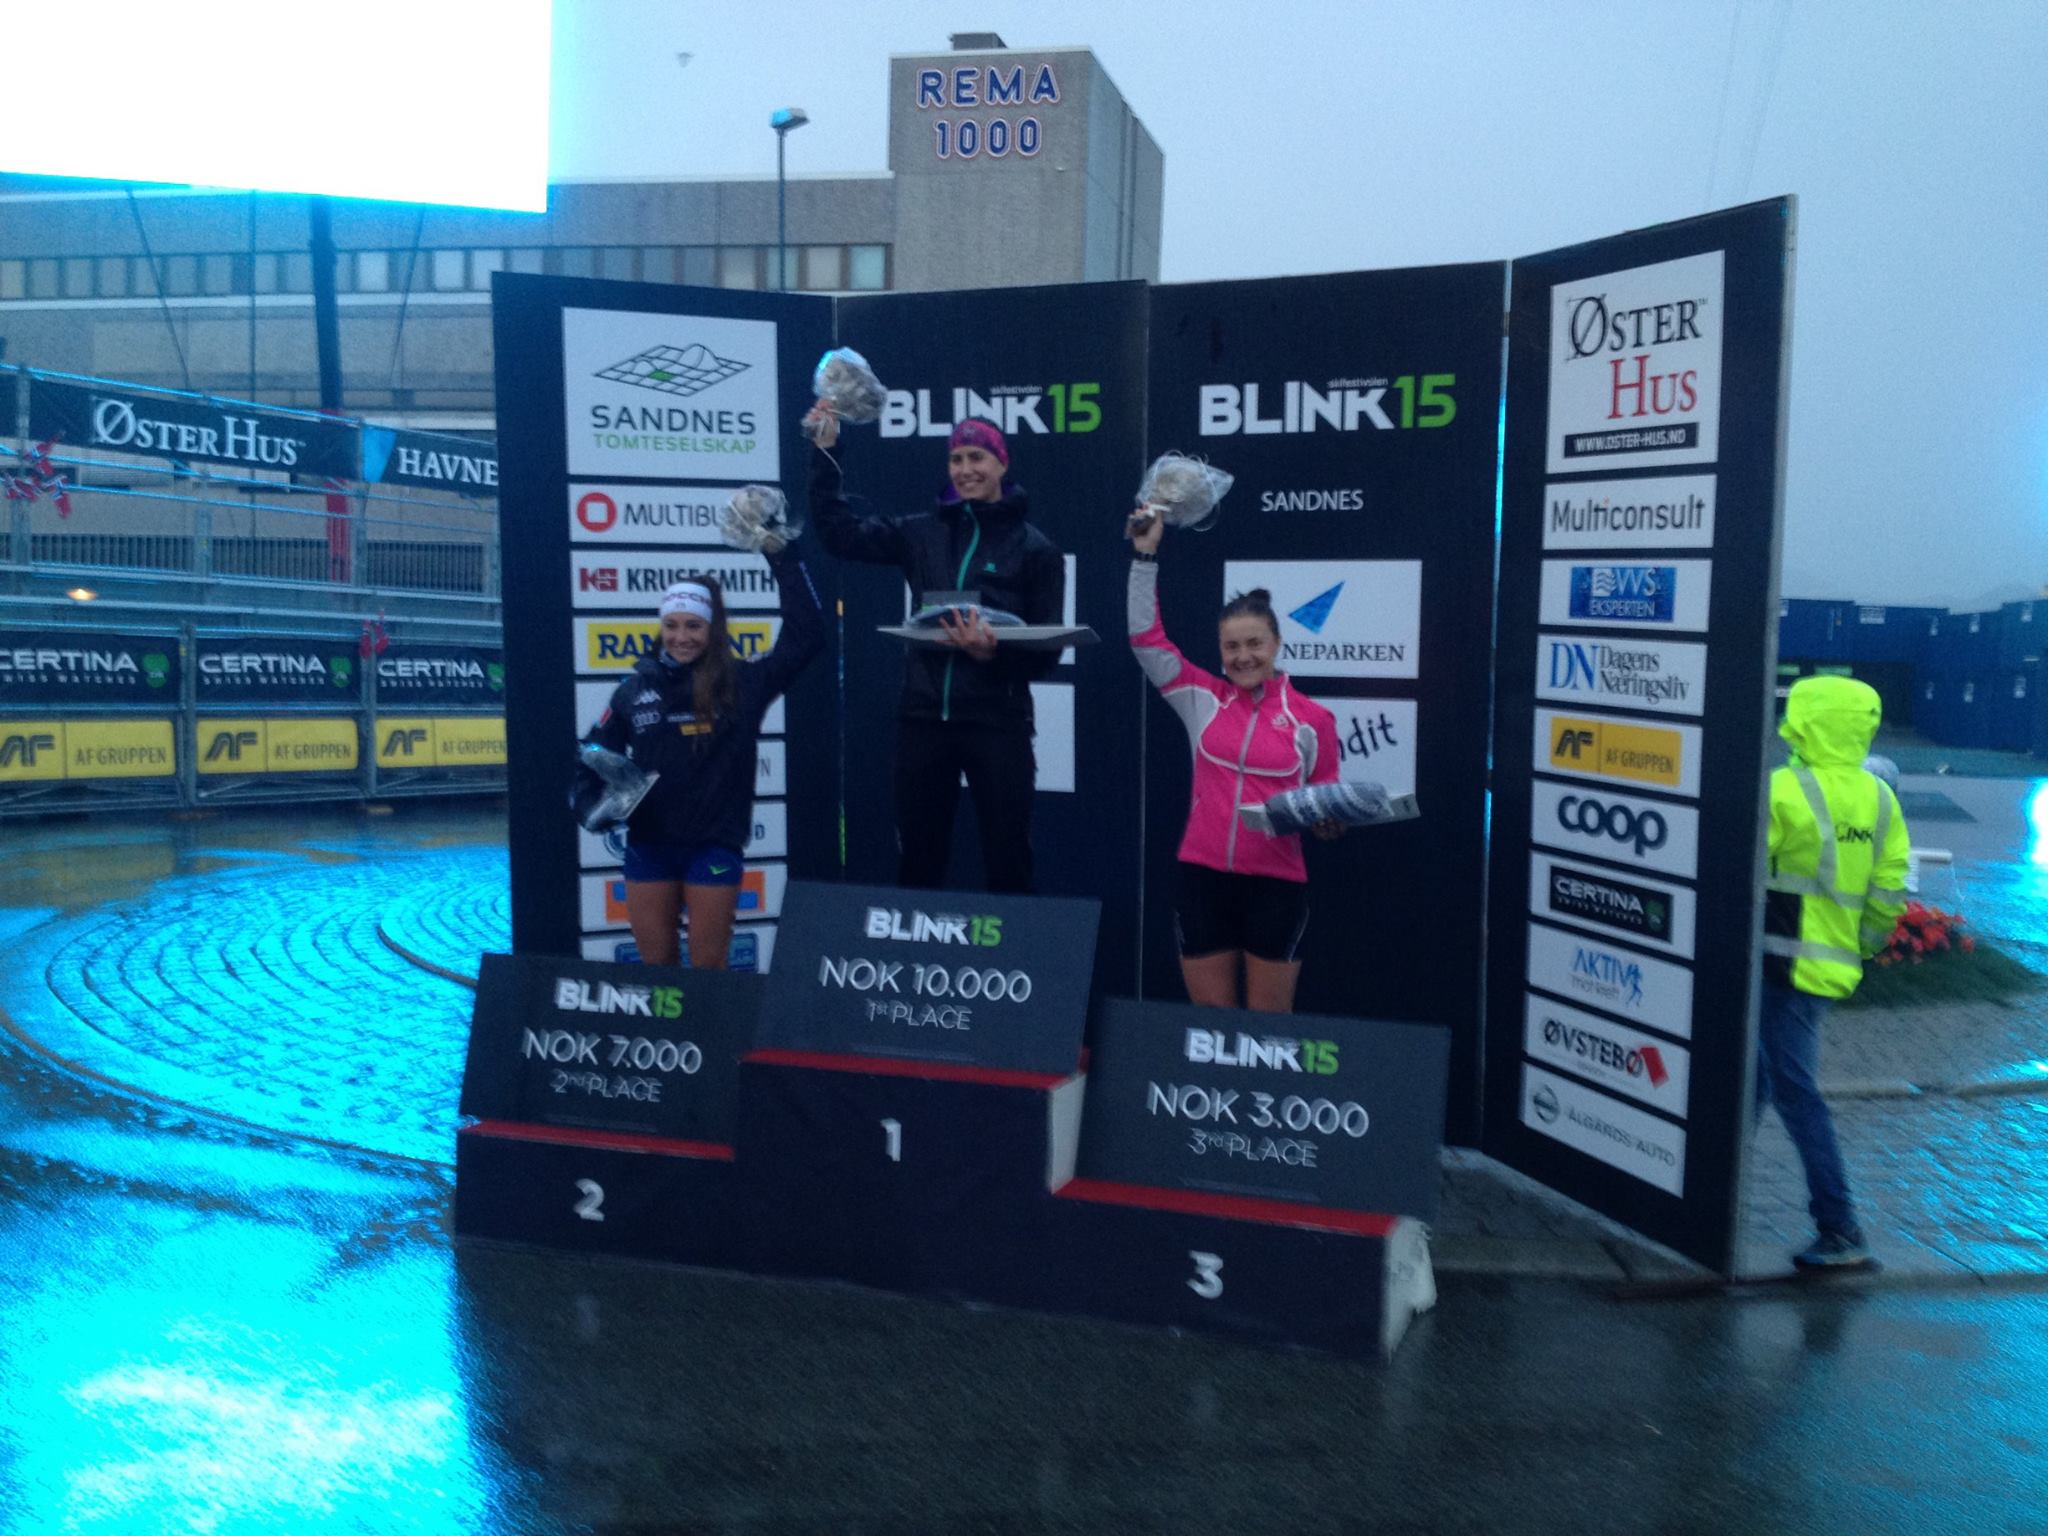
(868, 1124)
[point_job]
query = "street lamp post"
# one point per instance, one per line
(782, 121)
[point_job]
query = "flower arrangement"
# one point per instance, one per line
(1922, 933)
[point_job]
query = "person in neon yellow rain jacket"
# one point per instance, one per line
(1838, 853)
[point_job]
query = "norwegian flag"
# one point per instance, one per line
(375, 641)
(38, 477)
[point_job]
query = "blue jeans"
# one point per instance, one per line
(1788, 1060)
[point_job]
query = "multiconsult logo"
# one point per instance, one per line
(1642, 593)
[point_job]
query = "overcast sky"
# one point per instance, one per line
(1326, 135)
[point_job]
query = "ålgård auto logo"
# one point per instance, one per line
(679, 371)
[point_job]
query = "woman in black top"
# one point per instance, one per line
(691, 712)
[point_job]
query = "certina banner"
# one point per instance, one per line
(960, 978)
(1605, 824)
(1622, 1060)
(1635, 367)
(768, 840)
(1675, 512)
(647, 1049)
(636, 581)
(1668, 677)
(1616, 906)
(41, 751)
(616, 645)
(679, 397)
(280, 669)
(1339, 1113)
(1596, 974)
(1653, 594)
(1340, 618)
(647, 514)
(1620, 1135)
(78, 666)
(444, 676)
(1647, 754)
(190, 432)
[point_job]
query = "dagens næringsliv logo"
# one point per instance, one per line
(1667, 677)
(1340, 618)
(674, 396)
(1635, 367)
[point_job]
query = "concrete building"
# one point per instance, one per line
(1006, 166)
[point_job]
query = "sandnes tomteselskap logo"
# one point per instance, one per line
(677, 371)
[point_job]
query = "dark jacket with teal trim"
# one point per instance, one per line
(706, 790)
(957, 546)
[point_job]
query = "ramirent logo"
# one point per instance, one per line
(1214, 1047)
(573, 996)
(924, 928)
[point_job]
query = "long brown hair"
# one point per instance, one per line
(715, 686)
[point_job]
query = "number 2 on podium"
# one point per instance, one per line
(892, 1139)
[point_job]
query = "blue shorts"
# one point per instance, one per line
(691, 863)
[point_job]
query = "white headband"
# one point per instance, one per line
(687, 597)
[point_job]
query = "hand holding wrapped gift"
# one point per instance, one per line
(607, 787)
(847, 390)
(758, 519)
(1182, 491)
(1311, 807)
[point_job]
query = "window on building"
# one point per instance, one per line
(739, 266)
(451, 271)
(263, 271)
(77, 278)
(616, 261)
(481, 265)
(574, 261)
(142, 276)
(43, 277)
(526, 259)
(373, 271)
(298, 272)
(111, 278)
(657, 263)
(13, 279)
(700, 266)
(824, 266)
(181, 276)
(867, 266)
(792, 263)
(216, 275)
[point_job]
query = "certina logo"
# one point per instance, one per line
(1601, 1050)
(1213, 1047)
(1592, 666)
(1634, 391)
(925, 928)
(117, 424)
(31, 666)
(575, 996)
(1613, 903)
(1341, 405)
(1607, 976)
(24, 747)
(1645, 831)
(276, 666)
(1035, 408)
(1642, 594)
(430, 669)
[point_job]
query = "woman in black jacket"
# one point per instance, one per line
(691, 712)
(966, 706)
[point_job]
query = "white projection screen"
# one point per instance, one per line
(418, 101)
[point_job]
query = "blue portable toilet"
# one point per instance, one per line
(2019, 631)
(1887, 633)
(2011, 723)
(1811, 629)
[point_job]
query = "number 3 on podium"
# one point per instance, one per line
(1207, 1280)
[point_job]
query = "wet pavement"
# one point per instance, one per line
(229, 1301)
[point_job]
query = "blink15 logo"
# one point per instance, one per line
(925, 928)
(574, 996)
(1074, 408)
(1341, 405)
(1643, 593)
(1213, 1047)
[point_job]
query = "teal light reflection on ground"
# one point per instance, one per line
(2037, 825)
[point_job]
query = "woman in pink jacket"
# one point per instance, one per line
(1240, 894)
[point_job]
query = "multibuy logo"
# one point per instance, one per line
(1642, 594)
(577, 996)
(645, 514)
(928, 928)
(1031, 408)
(1212, 1047)
(1376, 404)
(1612, 903)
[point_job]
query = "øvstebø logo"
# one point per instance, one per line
(1340, 618)
(670, 396)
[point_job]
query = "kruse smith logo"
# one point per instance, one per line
(1213, 1047)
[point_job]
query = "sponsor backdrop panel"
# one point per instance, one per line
(63, 668)
(1061, 370)
(415, 676)
(647, 389)
(1644, 438)
(262, 670)
(1364, 443)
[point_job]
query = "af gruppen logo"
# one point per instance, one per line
(679, 371)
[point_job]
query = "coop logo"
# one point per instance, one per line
(1642, 594)
(117, 424)
(1612, 903)
(926, 928)
(23, 748)
(230, 745)
(1603, 1051)
(1649, 676)
(576, 996)
(1342, 405)
(1212, 1047)
(1644, 830)
(1040, 409)
(1606, 976)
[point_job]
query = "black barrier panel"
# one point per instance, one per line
(1345, 1114)
(257, 669)
(996, 982)
(1358, 412)
(461, 466)
(1061, 371)
(627, 413)
(647, 1049)
(413, 676)
(88, 418)
(1638, 612)
(66, 668)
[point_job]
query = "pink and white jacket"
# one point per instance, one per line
(1248, 745)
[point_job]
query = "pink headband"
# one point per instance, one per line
(973, 433)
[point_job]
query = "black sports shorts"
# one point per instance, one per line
(1215, 912)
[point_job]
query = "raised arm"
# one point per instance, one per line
(1160, 659)
(803, 627)
(877, 540)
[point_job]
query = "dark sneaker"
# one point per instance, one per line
(1834, 1253)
